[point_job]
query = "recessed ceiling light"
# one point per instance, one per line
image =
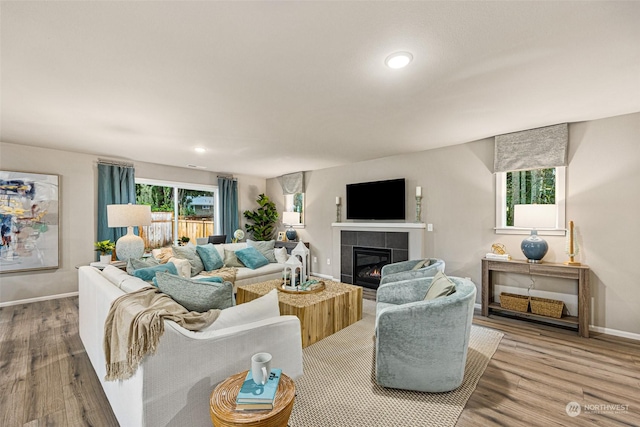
(398, 60)
(200, 150)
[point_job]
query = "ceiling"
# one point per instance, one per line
(269, 88)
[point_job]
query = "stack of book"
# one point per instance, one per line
(501, 257)
(253, 397)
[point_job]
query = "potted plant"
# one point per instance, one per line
(105, 247)
(264, 219)
(184, 240)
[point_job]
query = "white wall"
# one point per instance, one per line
(603, 199)
(78, 211)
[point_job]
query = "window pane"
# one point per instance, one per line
(537, 186)
(295, 203)
(160, 232)
(196, 214)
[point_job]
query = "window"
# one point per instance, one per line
(194, 206)
(295, 203)
(534, 186)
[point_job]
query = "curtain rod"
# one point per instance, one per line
(115, 163)
(227, 176)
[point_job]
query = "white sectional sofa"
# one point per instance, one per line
(172, 387)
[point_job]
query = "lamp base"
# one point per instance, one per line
(291, 234)
(129, 246)
(534, 247)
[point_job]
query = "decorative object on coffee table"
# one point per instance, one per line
(293, 270)
(302, 253)
(222, 405)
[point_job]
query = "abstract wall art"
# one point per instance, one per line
(29, 221)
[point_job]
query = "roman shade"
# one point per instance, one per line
(292, 183)
(532, 149)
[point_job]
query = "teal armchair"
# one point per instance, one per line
(422, 345)
(404, 270)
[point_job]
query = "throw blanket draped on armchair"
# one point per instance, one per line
(135, 323)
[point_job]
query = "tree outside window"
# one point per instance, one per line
(537, 186)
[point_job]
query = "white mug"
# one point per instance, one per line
(260, 368)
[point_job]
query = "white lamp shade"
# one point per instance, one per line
(535, 216)
(128, 215)
(291, 218)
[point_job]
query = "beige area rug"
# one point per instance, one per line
(338, 387)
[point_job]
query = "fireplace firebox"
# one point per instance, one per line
(367, 265)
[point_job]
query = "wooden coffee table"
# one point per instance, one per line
(321, 314)
(222, 405)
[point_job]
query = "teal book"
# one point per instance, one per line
(251, 393)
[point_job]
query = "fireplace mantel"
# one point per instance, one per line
(378, 225)
(414, 230)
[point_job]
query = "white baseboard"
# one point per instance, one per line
(615, 332)
(323, 276)
(30, 300)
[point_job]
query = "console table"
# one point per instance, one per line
(579, 273)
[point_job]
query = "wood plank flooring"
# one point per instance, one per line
(46, 378)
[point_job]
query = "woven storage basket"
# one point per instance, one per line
(547, 307)
(514, 302)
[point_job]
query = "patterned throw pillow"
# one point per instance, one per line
(148, 273)
(231, 260)
(188, 252)
(210, 257)
(281, 255)
(196, 295)
(264, 247)
(134, 264)
(441, 286)
(252, 258)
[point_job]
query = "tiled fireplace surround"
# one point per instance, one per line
(397, 242)
(405, 240)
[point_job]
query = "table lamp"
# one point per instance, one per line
(289, 219)
(535, 217)
(129, 246)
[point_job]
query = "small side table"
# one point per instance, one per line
(222, 405)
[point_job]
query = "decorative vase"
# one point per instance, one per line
(291, 234)
(534, 247)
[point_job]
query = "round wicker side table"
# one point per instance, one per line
(223, 412)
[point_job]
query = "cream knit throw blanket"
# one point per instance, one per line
(135, 323)
(228, 274)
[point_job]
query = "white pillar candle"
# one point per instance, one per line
(337, 200)
(418, 191)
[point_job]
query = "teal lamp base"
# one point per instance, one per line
(534, 247)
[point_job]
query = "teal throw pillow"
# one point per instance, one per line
(210, 257)
(189, 253)
(265, 248)
(252, 258)
(133, 264)
(441, 286)
(196, 295)
(148, 273)
(210, 279)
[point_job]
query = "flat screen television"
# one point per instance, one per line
(379, 200)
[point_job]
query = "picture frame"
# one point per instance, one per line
(282, 236)
(29, 221)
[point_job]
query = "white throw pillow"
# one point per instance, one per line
(183, 266)
(258, 309)
(281, 255)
